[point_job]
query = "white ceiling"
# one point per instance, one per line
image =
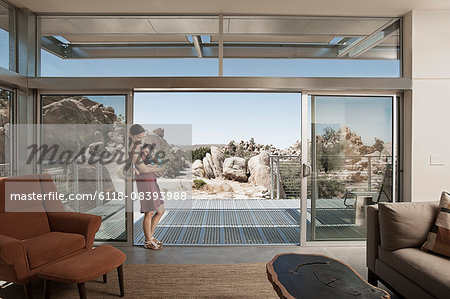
(390, 8)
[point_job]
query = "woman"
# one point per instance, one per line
(152, 205)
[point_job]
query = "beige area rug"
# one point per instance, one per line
(168, 281)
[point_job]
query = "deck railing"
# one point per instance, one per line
(363, 173)
(4, 169)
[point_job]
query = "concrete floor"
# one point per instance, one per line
(355, 256)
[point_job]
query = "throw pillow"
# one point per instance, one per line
(438, 239)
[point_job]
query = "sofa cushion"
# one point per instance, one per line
(438, 239)
(407, 224)
(429, 271)
(51, 246)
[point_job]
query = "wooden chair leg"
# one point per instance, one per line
(28, 291)
(82, 290)
(121, 286)
(47, 288)
(105, 278)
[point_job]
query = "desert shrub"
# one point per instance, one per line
(330, 157)
(358, 178)
(378, 145)
(198, 184)
(329, 187)
(240, 151)
(200, 153)
(365, 164)
(291, 176)
(230, 150)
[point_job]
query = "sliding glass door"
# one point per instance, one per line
(83, 147)
(328, 158)
(351, 146)
(256, 168)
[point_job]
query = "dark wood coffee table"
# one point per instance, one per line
(317, 276)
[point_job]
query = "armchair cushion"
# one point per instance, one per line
(23, 225)
(77, 223)
(51, 246)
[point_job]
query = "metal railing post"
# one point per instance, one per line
(99, 181)
(278, 177)
(369, 176)
(271, 177)
(76, 186)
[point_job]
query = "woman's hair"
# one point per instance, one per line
(135, 130)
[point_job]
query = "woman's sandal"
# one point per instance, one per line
(156, 241)
(152, 245)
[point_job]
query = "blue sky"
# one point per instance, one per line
(115, 101)
(270, 118)
(222, 117)
(53, 66)
(4, 49)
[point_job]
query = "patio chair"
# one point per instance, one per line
(384, 195)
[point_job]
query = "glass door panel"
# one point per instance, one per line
(245, 172)
(84, 150)
(351, 152)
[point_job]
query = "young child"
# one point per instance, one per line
(148, 156)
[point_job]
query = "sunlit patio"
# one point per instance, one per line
(230, 222)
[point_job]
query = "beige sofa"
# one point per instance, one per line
(395, 232)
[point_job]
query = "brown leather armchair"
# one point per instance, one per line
(36, 233)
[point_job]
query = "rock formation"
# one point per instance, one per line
(197, 169)
(235, 169)
(260, 170)
(160, 143)
(208, 166)
(159, 132)
(217, 158)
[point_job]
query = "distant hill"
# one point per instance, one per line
(196, 146)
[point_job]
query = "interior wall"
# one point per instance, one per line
(430, 103)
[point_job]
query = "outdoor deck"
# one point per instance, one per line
(229, 222)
